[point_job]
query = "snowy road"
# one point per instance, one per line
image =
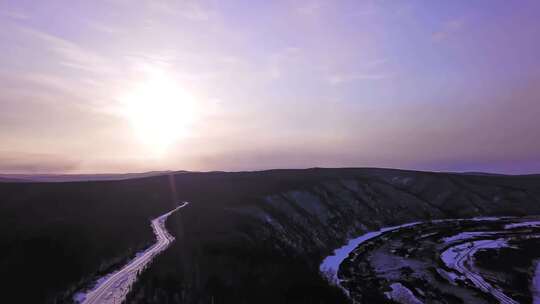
(330, 265)
(114, 287)
(460, 258)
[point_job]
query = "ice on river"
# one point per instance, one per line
(330, 265)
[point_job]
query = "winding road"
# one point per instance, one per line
(463, 260)
(114, 287)
(458, 255)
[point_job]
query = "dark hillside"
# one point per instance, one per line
(246, 237)
(258, 237)
(55, 236)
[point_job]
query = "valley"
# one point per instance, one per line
(446, 261)
(246, 236)
(113, 287)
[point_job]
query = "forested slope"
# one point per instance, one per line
(246, 237)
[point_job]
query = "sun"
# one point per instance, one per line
(159, 111)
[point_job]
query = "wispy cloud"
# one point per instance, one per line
(195, 11)
(449, 28)
(105, 28)
(338, 79)
(47, 81)
(376, 63)
(281, 60)
(67, 73)
(70, 54)
(309, 8)
(14, 15)
(192, 10)
(370, 70)
(22, 162)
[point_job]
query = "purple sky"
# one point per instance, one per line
(114, 86)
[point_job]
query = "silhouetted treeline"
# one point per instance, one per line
(57, 237)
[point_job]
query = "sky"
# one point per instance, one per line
(131, 86)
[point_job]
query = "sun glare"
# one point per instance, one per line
(160, 112)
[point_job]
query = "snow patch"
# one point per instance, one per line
(535, 286)
(522, 224)
(450, 276)
(330, 265)
(459, 258)
(113, 287)
(467, 235)
(402, 294)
